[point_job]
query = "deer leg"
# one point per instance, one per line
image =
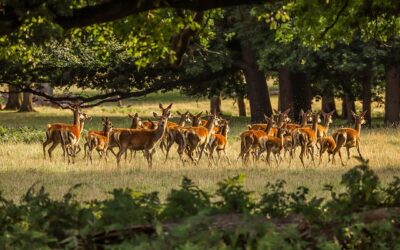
(52, 147)
(340, 156)
(358, 150)
(47, 142)
(303, 149)
(122, 150)
(311, 150)
(348, 152)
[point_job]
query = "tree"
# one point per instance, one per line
(27, 104)
(14, 100)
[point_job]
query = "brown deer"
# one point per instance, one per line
(142, 139)
(249, 140)
(322, 129)
(56, 131)
(349, 137)
(274, 144)
(282, 117)
(307, 138)
(164, 111)
(100, 142)
(197, 137)
(173, 131)
(328, 145)
(291, 127)
(219, 142)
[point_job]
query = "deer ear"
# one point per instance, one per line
(179, 113)
(364, 113)
(155, 114)
(353, 114)
(169, 106)
(187, 112)
(130, 116)
(301, 112)
(160, 106)
(286, 111)
(276, 111)
(266, 117)
(332, 112)
(199, 114)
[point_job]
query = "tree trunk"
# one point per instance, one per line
(392, 101)
(366, 83)
(27, 104)
(301, 93)
(14, 99)
(257, 89)
(328, 104)
(348, 105)
(215, 104)
(285, 100)
(242, 106)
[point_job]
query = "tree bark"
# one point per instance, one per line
(366, 83)
(301, 93)
(27, 104)
(215, 104)
(348, 105)
(257, 89)
(392, 99)
(14, 99)
(328, 104)
(242, 106)
(285, 100)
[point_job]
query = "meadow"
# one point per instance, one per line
(22, 163)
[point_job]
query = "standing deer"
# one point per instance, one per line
(219, 142)
(274, 144)
(173, 131)
(250, 140)
(328, 145)
(322, 129)
(282, 117)
(100, 142)
(307, 138)
(349, 137)
(197, 137)
(142, 139)
(71, 132)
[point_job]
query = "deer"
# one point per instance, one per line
(282, 117)
(304, 117)
(143, 139)
(250, 140)
(173, 131)
(322, 129)
(164, 111)
(56, 131)
(274, 144)
(349, 137)
(307, 137)
(197, 137)
(328, 145)
(100, 142)
(219, 142)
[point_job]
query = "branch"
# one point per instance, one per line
(85, 102)
(336, 19)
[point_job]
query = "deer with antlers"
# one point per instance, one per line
(100, 142)
(143, 139)
(349, 137)
(249, 140)
(56, 133)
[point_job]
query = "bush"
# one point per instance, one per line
(362, 217)
(21, 134)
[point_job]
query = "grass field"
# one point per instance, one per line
(23, 164)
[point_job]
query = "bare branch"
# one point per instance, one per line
(336, 19)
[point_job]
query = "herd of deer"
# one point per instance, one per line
(205, 136)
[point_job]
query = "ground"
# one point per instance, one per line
(23, 164)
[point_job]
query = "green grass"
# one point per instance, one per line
(23, 164)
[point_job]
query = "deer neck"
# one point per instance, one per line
(210, 125)
(314, 126)
(224, 131)
(160, 131)
(77, 118)
(268, 128)
(303, 122)
(326, 124)
(182, 122)
(357, 127)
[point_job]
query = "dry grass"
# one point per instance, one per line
(23, 164)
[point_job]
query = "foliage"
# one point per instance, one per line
(21, 134)
(38, 221)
